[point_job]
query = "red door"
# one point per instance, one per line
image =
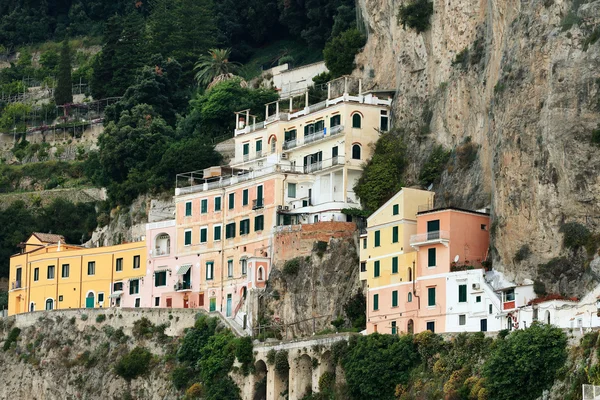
(186, 302)
(169, 302)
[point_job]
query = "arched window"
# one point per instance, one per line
(49, 304)
(356, 151)
(260, 274)
(32, 307)
(356, 120)
(273, 146)
(410, 327)
(409, 297)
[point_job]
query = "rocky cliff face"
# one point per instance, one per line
(521, 79)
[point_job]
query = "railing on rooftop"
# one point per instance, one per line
(434, 236)
(16, 285)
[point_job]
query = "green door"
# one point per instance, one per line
(213, 304)
(89, 301)
(259, 196)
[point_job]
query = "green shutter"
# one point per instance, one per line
(396, 209)
(258, 146)
(375, 302)
(431, 261)
(246, 149)
(217, 233)
(188, 238)
(394, 265)
(245, 197)
(377, 238)
(231, 200)
(395, 234)
(462, 293)
(203, 235)
(188, 209)
(217, 204)
(395, 298)
(204, 206)
(431, 296)
(376, 269)
(259, 196)
(291, 190)
(259, 223)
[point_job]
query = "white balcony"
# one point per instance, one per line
(429, 238)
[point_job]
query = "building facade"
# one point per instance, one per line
(50, 274)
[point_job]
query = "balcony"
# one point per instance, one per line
(290, 144)
(509, 305)
(433, 237)
(317, 166)
(161, 251)
(182, 286)
(16, 285)
(258, 204)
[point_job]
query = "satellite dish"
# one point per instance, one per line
(456, 257)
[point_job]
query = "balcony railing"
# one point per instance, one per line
(290, 144)
(258, 203)
(164, 251)
(433, 236)
(182, 286)
(16, 285)
(317, 166)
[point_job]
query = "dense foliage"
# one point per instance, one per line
(63, 93)
(381, 177)
(134, 364)
(18, 221)
(339, 53)
(434, 166)
(416, 15)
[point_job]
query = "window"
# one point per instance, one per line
(395, 234)
(478, 299)
(431, 326)
(100, 297)
(188, 208)
(462, 293)
(483, 325)
(230, 268)
(363, 266)
(218, 203)
(244, 263)
(244, 227)
(119, 265)
(509, 295)
(246, 148)
(210, 269)
(409, 299)
(364, 243)
(383, 121)
(394, 327)
(273, 145)
(65, 271)
(431, 257)
(335, 120)
(50, 272)
(396, 209)
(376, 270)
(156, 301)
(203, 235)
(245, 197)
(60, 298)
(134, 286)
(259, 197)
(395, 298)
(258, 148)
(356, 151)
(292, 190)
(36, 274)
(431, 297)
(375, 302)
(160, 278)
(217, 233)
(136, 262)
(259, 223)
(204, 206)
(137, 303)
(433, 229)
(490, 309)
(356, 120)
(462, 319)
(49, 304)
(187, 240)
(231, 202)
(394, 265)
(230, 230)
(377, 238)
(117, 287)
(483, 227)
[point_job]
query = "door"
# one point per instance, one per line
(259, 196)
(89, 300)
(186, 301)
(169, 302)
(433, 229)
(483, 325)
(213, 304)
(228, 305)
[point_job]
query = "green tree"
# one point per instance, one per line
(49, 59)
(133, 364)
(382, 175)
(63, 93)
(340, 51)
(214, 67)
(525, 363)
(375, 364)
(434, 166)
(416, 15)
(3, 300)
(14, 116)
(355, 309)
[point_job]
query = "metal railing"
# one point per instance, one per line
(430, 237)
(162, 251)
(316, 166)
(16, 285)
(182, 286)
(258, 203)
(290, 144)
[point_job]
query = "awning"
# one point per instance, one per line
(137, 278)
(184, 269)
(116, 294)
(161, 268)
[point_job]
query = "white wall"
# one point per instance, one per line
(297, 79)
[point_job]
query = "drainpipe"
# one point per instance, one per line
(56, 275)
(112, 271)
(28, 267)
(80, 278)
(414, 290)
(223, 234)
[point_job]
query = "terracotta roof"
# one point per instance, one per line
(49, 237)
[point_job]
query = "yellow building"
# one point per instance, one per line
(387, 260)
(49, 274)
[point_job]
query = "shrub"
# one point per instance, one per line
(84, 317)
(355, 309)
(321, 247)
(100, 318)
(416, 15)
(523, 253)
(433, 167)
(466, 153)
(282, 365)
(340, 51)
(462, 58)
(596, 135)
(338, 322)
(291, 267)
(539, 288)
(575, 235)
(142, 328)
(194, 392)
(134, 364)
(12, 338)
(244, 353)
(181, 376)
(271, 356)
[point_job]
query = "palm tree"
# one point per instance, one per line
(215, 67)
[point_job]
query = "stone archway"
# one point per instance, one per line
(302, 376)
(326, 376)
(260, 381)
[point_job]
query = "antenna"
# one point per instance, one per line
(456, 257)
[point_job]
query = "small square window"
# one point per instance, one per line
(396, 209)
(478, 299)
(100, 297)
(483, 227)
(60, 298)
(363, 266)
